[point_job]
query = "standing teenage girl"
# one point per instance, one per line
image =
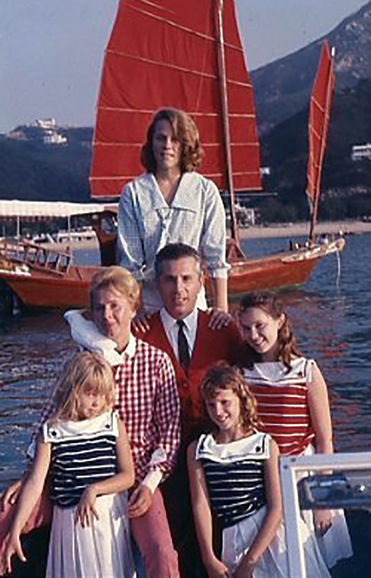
(292, 401)
(84, 449)
(171, 202)
(234, 476)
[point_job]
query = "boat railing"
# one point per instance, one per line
(36, 256)
(347, 486)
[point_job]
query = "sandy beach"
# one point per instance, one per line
(301, 229)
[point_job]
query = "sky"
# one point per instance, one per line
(51, 50)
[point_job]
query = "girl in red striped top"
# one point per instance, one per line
(292, 401)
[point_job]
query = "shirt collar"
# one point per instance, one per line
(156, 201)
(169, 322)
(129, 350)
(185, 196)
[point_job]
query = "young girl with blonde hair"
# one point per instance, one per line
(83, 449)
(234, 476)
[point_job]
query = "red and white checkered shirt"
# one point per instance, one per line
(147, 401)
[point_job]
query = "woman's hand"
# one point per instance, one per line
(140, 501)
(322, 521)
(13, 546)
(216, 569)
(10, 495)
(140, 321)
(86, 511)
(245, 573)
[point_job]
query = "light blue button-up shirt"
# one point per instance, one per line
(146, 223)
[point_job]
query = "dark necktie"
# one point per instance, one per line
(183, 349)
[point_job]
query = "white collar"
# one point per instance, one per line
(87, 335)
(108, 348)
(129, 350)
(169, 322)
(171, 329)
(255, 446)
(182, 199)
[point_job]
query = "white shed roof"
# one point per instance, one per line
(40, 210)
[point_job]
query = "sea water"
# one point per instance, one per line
(331, 317)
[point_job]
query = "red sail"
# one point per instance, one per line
(164, 53)
(319, 114)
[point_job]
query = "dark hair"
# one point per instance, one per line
(222, 376)
(173, 252)
(273, 306)
(184, 130)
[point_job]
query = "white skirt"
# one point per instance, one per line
(335, 544)
(101, 550)
(273, 563)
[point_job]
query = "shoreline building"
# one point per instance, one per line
(361, 152)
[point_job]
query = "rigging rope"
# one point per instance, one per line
(339, 269)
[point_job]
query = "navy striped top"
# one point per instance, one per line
(234, 475)
(82, 453)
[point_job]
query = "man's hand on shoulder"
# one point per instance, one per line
(140, 322)
(219, 318)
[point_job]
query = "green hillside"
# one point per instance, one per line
(346, 185)
(32, 170)
(282, 87)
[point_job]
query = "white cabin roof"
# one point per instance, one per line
(47, 210)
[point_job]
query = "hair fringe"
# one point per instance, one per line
(222, 376)
(120, 279)
(85, 371)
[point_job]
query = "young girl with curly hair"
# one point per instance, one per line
(234, 476)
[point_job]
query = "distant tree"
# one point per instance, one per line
(272, 211)
(358, 206)
(334, 209)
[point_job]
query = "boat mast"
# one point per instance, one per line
(329, 87)
(225, 119)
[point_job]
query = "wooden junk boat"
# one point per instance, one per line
(187, 55)
(44, 275)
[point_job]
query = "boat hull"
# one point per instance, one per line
(279, 270)
(44, 288)
(47, 291)
(267, 273)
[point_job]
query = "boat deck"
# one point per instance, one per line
(43, 277)
(27, 253)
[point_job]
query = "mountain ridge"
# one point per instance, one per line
(37, 171)
(282, 87)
